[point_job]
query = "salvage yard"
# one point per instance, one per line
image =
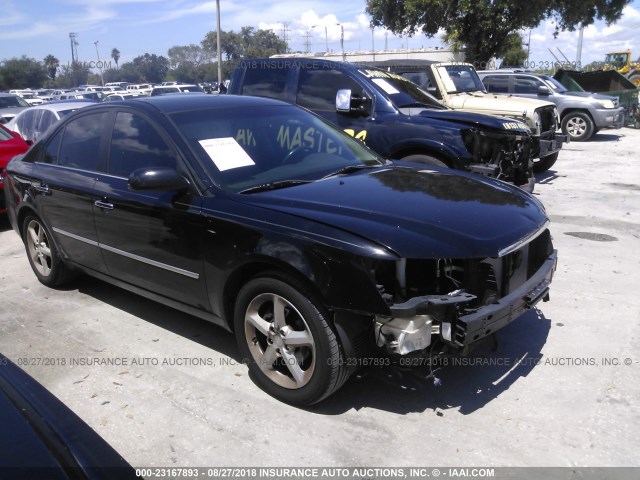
(166, 389)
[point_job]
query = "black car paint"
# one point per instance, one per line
(395, 132)
(42, 438)
(329, 234)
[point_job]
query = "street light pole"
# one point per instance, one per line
(373, 47)
(219, 50)
(99, 62)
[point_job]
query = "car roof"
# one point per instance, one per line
(512, 72)
(58, 106)
(169, 104)
(178, 103)
(401, 62)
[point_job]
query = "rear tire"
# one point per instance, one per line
(285, 337)
(42, 253)
(427, 159)
(578, 126)
(543, 164)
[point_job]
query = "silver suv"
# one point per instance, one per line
(582, 114)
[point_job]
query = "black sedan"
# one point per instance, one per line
(262, 218)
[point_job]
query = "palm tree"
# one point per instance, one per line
(51, 63)
(115, 54)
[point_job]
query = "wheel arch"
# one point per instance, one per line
(569, 110)
(436, 151)
(257, 267)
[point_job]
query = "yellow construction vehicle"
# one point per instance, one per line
(621, 61)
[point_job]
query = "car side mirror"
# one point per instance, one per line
(542, 90)
(157, 178)
(347, 103)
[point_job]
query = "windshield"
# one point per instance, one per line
(554, 84)
(460, 79)
(269, 144)
(618, 59)
(8, 102)
(402, 92)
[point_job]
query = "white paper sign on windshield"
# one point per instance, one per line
(226, 153)
(386, 86)
(448, 83)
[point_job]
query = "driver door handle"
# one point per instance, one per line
(103, 205)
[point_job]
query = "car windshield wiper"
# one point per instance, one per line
(416, 104)
(274, 186)
(349, 169)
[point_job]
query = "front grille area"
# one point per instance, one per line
(487, 279)
(547, 119)
(499, 155)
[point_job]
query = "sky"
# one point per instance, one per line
(36, 28)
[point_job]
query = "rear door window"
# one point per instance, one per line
(265, 82)
(496, 83)
(82, 141)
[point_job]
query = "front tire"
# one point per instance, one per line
(578, 126)
(42, 253)
(635, 79)
(545, 163)
(292, 352)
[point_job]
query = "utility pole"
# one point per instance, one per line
(579, 52)
(307, 41)
(99, 62)
(285, 32)
(326, 38)
(74, 51)
(373, 47)
(74, 57)
(344, 57)
(219, 50)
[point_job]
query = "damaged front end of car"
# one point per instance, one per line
(444, 305)
(505, 155)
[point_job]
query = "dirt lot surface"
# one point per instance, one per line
(561, 390)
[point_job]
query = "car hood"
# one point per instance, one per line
(494, 104)
(474, 119)
(415, 212)
(590, 95)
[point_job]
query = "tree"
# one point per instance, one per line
(72, 75)
(151, 67)
(51, 63)
(22, 72)
(515, 55)
(115, 54)
(482, 27)
(248, 43)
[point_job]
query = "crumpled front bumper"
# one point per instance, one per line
(549, 147)
(463, 330)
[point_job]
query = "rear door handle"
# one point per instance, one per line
(43, 187)
(103, 205)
